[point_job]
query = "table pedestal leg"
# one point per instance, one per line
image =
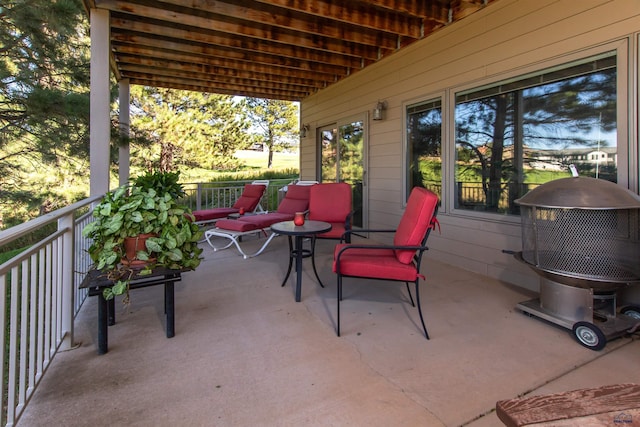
(111, 305)
(290, 262)
(170, 308)
(103, 340)
(299, 255)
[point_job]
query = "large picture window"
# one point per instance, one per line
(424, 146)
(515, 135)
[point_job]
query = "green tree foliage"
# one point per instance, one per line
(188, 128)
(44, 105)
(275, 123)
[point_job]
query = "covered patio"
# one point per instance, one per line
(245, 353)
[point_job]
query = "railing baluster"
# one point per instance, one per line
(3, 338)
(33, 322)
(13, 344)
(24, 333)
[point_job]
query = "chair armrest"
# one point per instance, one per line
(369, 230)
(350, 246)
(346, 236)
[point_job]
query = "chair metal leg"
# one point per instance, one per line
(290, 261)
(339, 297)
(313, 259)
(426, 334)
(409, 291)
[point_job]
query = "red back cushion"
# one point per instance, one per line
(296, 199)
(330, 202)
(250, 197)
(415, 222)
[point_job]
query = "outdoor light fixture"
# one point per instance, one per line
(379, 110)
(304, 129)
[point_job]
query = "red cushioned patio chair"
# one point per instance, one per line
(249, 201)
(330, 202)
(397, 262)
(296, 200)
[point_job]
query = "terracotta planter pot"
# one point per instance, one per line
(131, 247)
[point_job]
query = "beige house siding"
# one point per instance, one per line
(507, 38)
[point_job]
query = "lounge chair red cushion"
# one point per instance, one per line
(248, 200)
(253, 222)
(296, 199)
(213, 213)
(414, 223)
(373, 263)
(250, 197)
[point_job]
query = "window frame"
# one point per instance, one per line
(433, 97)
(623, 137)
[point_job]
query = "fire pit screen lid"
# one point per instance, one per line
(580, 193)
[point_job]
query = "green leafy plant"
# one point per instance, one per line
(146, 206)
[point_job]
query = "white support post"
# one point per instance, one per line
(99, 132)
(124, 150)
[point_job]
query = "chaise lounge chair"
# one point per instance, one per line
(249, 201)
(296, 200)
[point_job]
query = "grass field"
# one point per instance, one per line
(258, 159)
(255, 165)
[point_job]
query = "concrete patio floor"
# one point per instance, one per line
(246, 354)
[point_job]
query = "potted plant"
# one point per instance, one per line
(146, 210)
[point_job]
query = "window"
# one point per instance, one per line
(342, 159)
(424, 146)
(520, 133)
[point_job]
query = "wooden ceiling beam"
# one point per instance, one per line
(434, 10)
(267, 53)
(223, 74)
(251, 22)
(320, 11)
(225, 90)
(225, 57)
(230, 68)
(209, 36)
(246, 83)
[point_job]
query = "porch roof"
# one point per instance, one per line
(277, 49)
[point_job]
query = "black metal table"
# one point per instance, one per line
(96, 281)
(308, 229)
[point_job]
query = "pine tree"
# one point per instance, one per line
(194, 129)
(44, 103)
(276, 123)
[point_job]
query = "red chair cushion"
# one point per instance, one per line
(253, 222)
(330, 202)
(214, 213)
(414, 222)
(336, 232)
(250, 197)
(374, 263)
(296, 199)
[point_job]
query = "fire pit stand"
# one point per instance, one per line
(582, 237)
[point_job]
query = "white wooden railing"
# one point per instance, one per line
(39, 299)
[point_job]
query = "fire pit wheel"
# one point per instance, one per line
(631, 311)
(589, 335)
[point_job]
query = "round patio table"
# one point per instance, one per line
(308, 229)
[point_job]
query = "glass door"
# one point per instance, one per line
(342, 159)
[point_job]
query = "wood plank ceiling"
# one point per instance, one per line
(278, 49)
